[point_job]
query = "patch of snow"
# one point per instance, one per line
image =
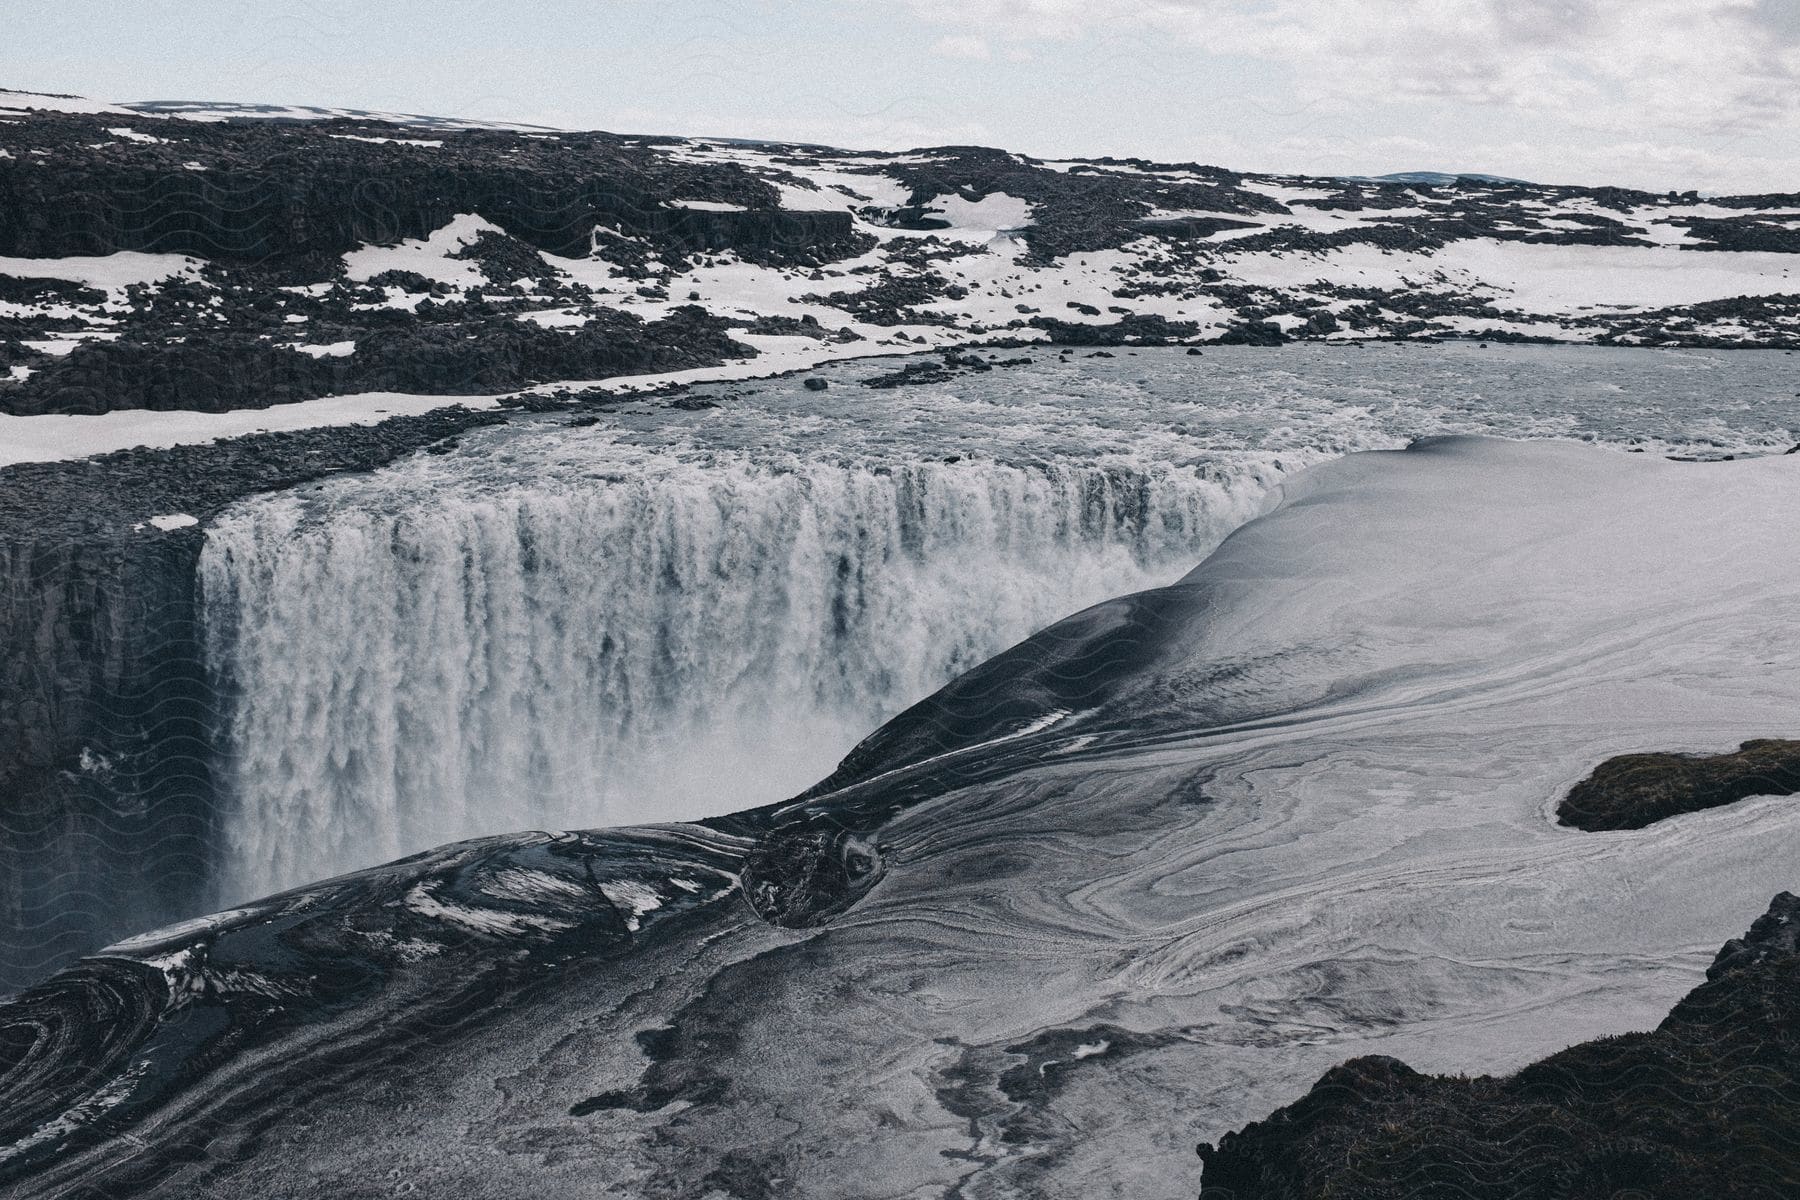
(556, 318)
(429, 256)
(998, 284)
(172, 521)
(838, 184)
(1535, 277)
(706, 205)
(992, 213)
(776, 355)
(1173, 175)
(329, 350)
(59, 345)
(113, 272)
(212, 111)
(1287, 193)
(131, 135)
(180, 930)
(353, 137)
(11, 101)
(535, 887)
(1041, 723)
(1313, 219)
(53, 437)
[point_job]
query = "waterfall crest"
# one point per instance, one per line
(654, 645)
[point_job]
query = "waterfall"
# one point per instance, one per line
(441, 662)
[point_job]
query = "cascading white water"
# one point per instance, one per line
(691, 640)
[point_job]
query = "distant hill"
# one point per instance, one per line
(1435, 178)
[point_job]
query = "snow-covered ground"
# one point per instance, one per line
(1540, 278)
(111, 272)
(54, 436)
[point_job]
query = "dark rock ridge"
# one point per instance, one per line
(1093, 206)
(268, 205)
(292, 193)
(1707, 1104)
(453, 349)
(1635, 790)
(104, 701)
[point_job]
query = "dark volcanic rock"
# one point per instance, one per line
(911, 373)
(104, 700)
(1253, 333)
(271, 190)
(1191, 227)
(1635, 790)
(1708, 1104)
(453, 353)
(1086, 208)
(30, 290)
(1144, 329)
(1768, 236)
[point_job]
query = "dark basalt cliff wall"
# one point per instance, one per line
(1708, 1104)
(106, 795)
(103, 707)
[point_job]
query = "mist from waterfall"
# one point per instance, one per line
(655, 649)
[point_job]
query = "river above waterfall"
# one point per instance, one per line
(664, 612)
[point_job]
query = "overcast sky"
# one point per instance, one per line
(1653, 93)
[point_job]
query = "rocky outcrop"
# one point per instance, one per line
(1707, 1104)
(1635, 790)
(215, 357)
(1767, 236)
(1092, 206)
(1136, 329)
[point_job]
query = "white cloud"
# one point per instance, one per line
(966, 46)
(1689, 93)
(1716, 65)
